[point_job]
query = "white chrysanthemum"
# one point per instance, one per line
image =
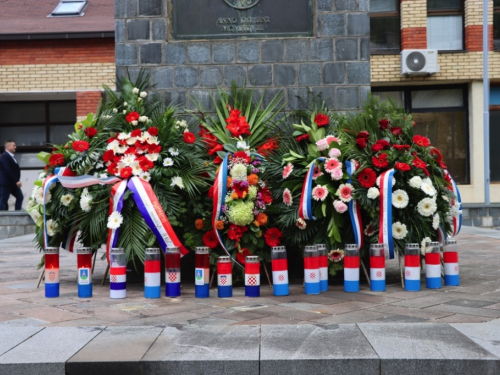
(373, 193)
(143, 118)
(131, 141)
(135, 90)
(152, 157)
(181, 123)
(135, 123)
(239, 172)
(139, 100)
(125, 104)
(127, 159)
(85, 201)
(123, 136)
(415, 182)
(121, 150)
(124, 111)
(52, 227)
(103, 176)
(115, 110)
(144, 137)
(168, 162)
(173, 151)
(35, 214)
(428, 189)
(427, 181)
(145, 176)
(136, 168)
(143, 94)
(455, 211)
(114, 145)
(66, 199)
(426, 207)
(399, 230)
(115, 220)
(154, 141)
(435, 221)
(177, 181)
(423, 245)
(400, 198)
(39, 196)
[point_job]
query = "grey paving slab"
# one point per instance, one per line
(205, 350)
(47, 351)
(311, 349)
(486, 334)
(13, 336)
(413, 348)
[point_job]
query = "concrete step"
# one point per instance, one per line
(364, 348)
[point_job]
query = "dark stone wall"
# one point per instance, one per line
(334, 62)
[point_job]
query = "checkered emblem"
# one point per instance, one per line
(223, 279)
(252, 280)
(172, 277)
(113, 278)
(379, 273)
(145, 279)
(312, 275)
(281, 278)
(456, 268)
(408, 273)
(52, 276)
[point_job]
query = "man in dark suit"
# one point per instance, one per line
(10, 175)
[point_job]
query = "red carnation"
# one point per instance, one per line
(154, 149)
(396, 130)
(367, 177)
(303, 137)
(421, 141)
(132, 116)
(153, 131)
(383, 124)
(380, 161)
(145, 163)
(80, 146)
(215, 149)
(131, 150)
(90, 132)
(136, 133)
(210, 240)
(56, 159)
(108, 156)
(321, 120)
(112, 168)
(126, 172)
(363, 134)
(273, 237)
(401, 147)
(242, 155)
(403, 167)
(189, 137)
(242, 254)
(361, 142)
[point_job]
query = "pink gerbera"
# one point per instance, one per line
(287, 197)
(332, 164)
(317, 172)
(319, 193)
(287, 170)
(345, 192)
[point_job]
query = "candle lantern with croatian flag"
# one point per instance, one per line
(224, 277)
(252, 276)
(311, 270)
(172, 272)
(450, 258)
(377, 267)
(51, 272)
(351, 268)
(152, 272)
(433, 265)
(279, 265)
(84, 265)
(202, 272)
(323, 267)
(117, 273)
(412, 267)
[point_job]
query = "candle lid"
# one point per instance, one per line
(450, 242)
(152, 250)
(84, 250)
(117, 250)
(412, 246)
(224, 259)
(433, 244)
(351, 246)
(278, 248)
(377, 246)
(310, 248)
(51, 250)
(252, 259)
(173, 249)
(202, 250)
(321, 246)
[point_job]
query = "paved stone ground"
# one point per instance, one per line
(477, 299)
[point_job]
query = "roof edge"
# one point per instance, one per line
(72, 35)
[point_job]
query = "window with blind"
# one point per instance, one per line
(385, 28)
(496, 25)
(445, 25)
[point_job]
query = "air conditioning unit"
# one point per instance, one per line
(419, 62)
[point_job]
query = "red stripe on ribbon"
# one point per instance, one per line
(412, 260)
(432, 258)
(279, 264)
(152, 266)
(377, 262)
(252, 268)
(224, 268)
(351, 262)
(450, 257)
(311, 263)
(117, 270)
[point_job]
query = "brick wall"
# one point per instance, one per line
(335, 61)
(86, 102)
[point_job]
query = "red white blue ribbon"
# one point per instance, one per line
(219, 197)
(457, 221)
(115, 204)
(74, 182)
(305, 205)
(47, 182)
(355, 210)
(385, 220)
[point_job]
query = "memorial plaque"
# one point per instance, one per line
(229, 19)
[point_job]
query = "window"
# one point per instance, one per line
(496, 24)
(494, 133)
(385, 28)
(69, 8)
(441, 114)
(33, 125)
(445, 24)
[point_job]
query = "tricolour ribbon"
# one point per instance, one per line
(355, 210)
(115, 204)
(305, 206)
(47, 182)
(457, 221)
(385, 220)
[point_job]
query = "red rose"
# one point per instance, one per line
(273, 237)
(396, 130)
(377, 147)
(126, 172)
(363, 134)
(136, 133)
(361, 142)
(242, 254)
(367, 177)
(153, 131)
(90, 132)
(242, 155)
(303, 137)
(383, 124)
(380, 161)
(112, 168)
(401, 147)
(56, 159)
(217, 160)
(421, 141)
(321, 120)
(80, 146)
(215, 149)
(210, 240)
(108, 156)
(403, 167)
(132, 116)
(189, 137)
